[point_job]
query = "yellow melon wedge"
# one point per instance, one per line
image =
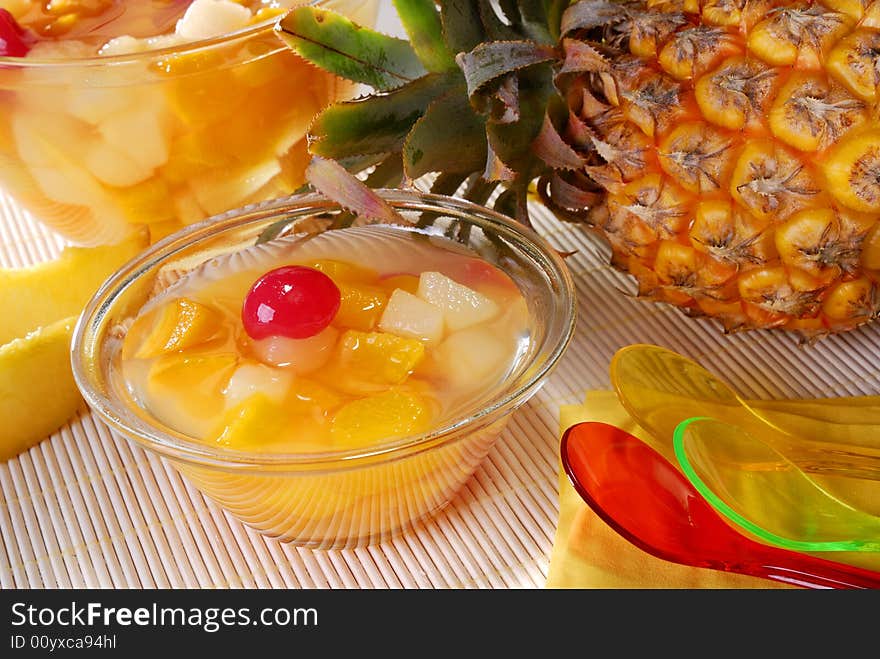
(36, 296)
(37, 391)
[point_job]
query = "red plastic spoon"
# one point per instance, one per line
(642, 496)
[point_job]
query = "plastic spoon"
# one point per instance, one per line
(649, 502)
(758, 489)
(660, 388)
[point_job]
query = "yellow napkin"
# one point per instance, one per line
(587, 553)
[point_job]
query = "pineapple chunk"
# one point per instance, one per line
(410, 316)
(470, 355)
(257, 421)
(251, 378)
(37, 391)
(391, 414)
(185, 392)
(461, 306)
(174, 326)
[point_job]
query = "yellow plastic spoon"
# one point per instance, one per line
(661, 388)
(759, 490)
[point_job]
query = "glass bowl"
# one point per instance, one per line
(94, 147)
(333, 499)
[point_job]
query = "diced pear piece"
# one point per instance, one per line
(36, 296)
(123, 45)
(411, 316)
(469, 355)
(210, 18)
(94, 104)
(114, 167)
(252, 378)
(52, 146)
(37, 391)
(218, 192)
(141, 133)
(462, 307)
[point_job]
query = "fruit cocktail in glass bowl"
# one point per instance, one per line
(332, 385)
(115, 114)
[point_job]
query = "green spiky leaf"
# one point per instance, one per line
(425, 30)
(492, 60)
(462, 27)
(434, 144)
(512, 142)
(353, 52)
(376, 124)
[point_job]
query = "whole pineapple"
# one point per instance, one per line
(728, 150)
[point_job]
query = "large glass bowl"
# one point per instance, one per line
(341, 498)
(94, 147)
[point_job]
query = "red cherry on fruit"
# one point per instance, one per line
(292, 301)
(14, 41)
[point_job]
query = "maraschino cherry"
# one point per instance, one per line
(293, 301)
(14, 40)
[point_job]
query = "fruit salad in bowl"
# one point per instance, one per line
(333, 384)
(119, 114)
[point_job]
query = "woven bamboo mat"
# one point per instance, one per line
(82, 509)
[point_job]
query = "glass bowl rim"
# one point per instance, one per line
(188, 47)
(184, 448)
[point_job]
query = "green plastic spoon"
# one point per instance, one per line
(660, 388)
(758, 489)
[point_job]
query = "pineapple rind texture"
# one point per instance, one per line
(738, 149)
(727, 150)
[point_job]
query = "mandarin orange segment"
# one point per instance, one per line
(377, 357)
(309, 397)
(408, 283)
(361, 306)
(389, 415)
(344, 271)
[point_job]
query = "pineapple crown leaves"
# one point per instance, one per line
(471, 95)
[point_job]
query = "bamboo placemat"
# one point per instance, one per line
(82, 509)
